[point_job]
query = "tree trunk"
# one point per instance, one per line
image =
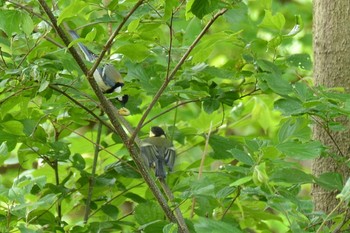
(331, 43)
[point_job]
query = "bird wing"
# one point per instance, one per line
(149, 152)
(169, 157)
(87, 53)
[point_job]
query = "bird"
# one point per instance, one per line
(106, 76)
(158, 151)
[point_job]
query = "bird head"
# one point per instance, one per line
(157, 132)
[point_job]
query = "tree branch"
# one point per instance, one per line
(93, 172)
(173, 73)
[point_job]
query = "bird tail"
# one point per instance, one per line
(87, 53)
(160, 171)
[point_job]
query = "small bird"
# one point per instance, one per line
(106, 76)
(158, 151)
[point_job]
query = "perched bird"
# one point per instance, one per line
(158, 151)
(106, 76)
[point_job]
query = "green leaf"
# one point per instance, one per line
(200, 8)
(171, 228)
(268, 66)
(3, 151)
(242, 156)
(259, 174)
(110, 210)
(276, 83)
(74, 9)
(59, 150)
(298, 27)
(291, 175)
(148, 212)
(26, 156)
(303, 151)
(228, 97)
(13, 127)
(90, 37)
(168, 8)
(133, 25)
(344, 195)
(222, 146)
(43, 85)
(41, 217)
(210, 105)
(330, 181)
(212, 226)
(242, 181)
(270, 21)
(78, 161)
(294, 128)
(302, 61)
(136, 52)
(289, 106)
(13, 21)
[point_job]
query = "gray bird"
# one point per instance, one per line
(158, 151)
(106, 76)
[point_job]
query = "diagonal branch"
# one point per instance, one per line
(173, 73)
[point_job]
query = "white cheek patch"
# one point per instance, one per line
(118, 89)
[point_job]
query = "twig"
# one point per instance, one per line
(345, 220)
(233, 201)
(115, 197)
(93, 172)
(200, 171)
(328, 216)
(181, 221)
(173, 73)
(326, 129)
(170, 44)
(168, 110)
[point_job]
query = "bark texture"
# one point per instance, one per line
(331, 30)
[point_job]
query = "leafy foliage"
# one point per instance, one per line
(244, 97)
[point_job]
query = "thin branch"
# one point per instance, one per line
(170, 44)
(168, 110)
(115, 197)
(231, 203)
(326, 129)
(200, 171)
(110, 110)
(173, 73)
(328, 216)
(93, 172)
(180, 218)
(342, 223)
